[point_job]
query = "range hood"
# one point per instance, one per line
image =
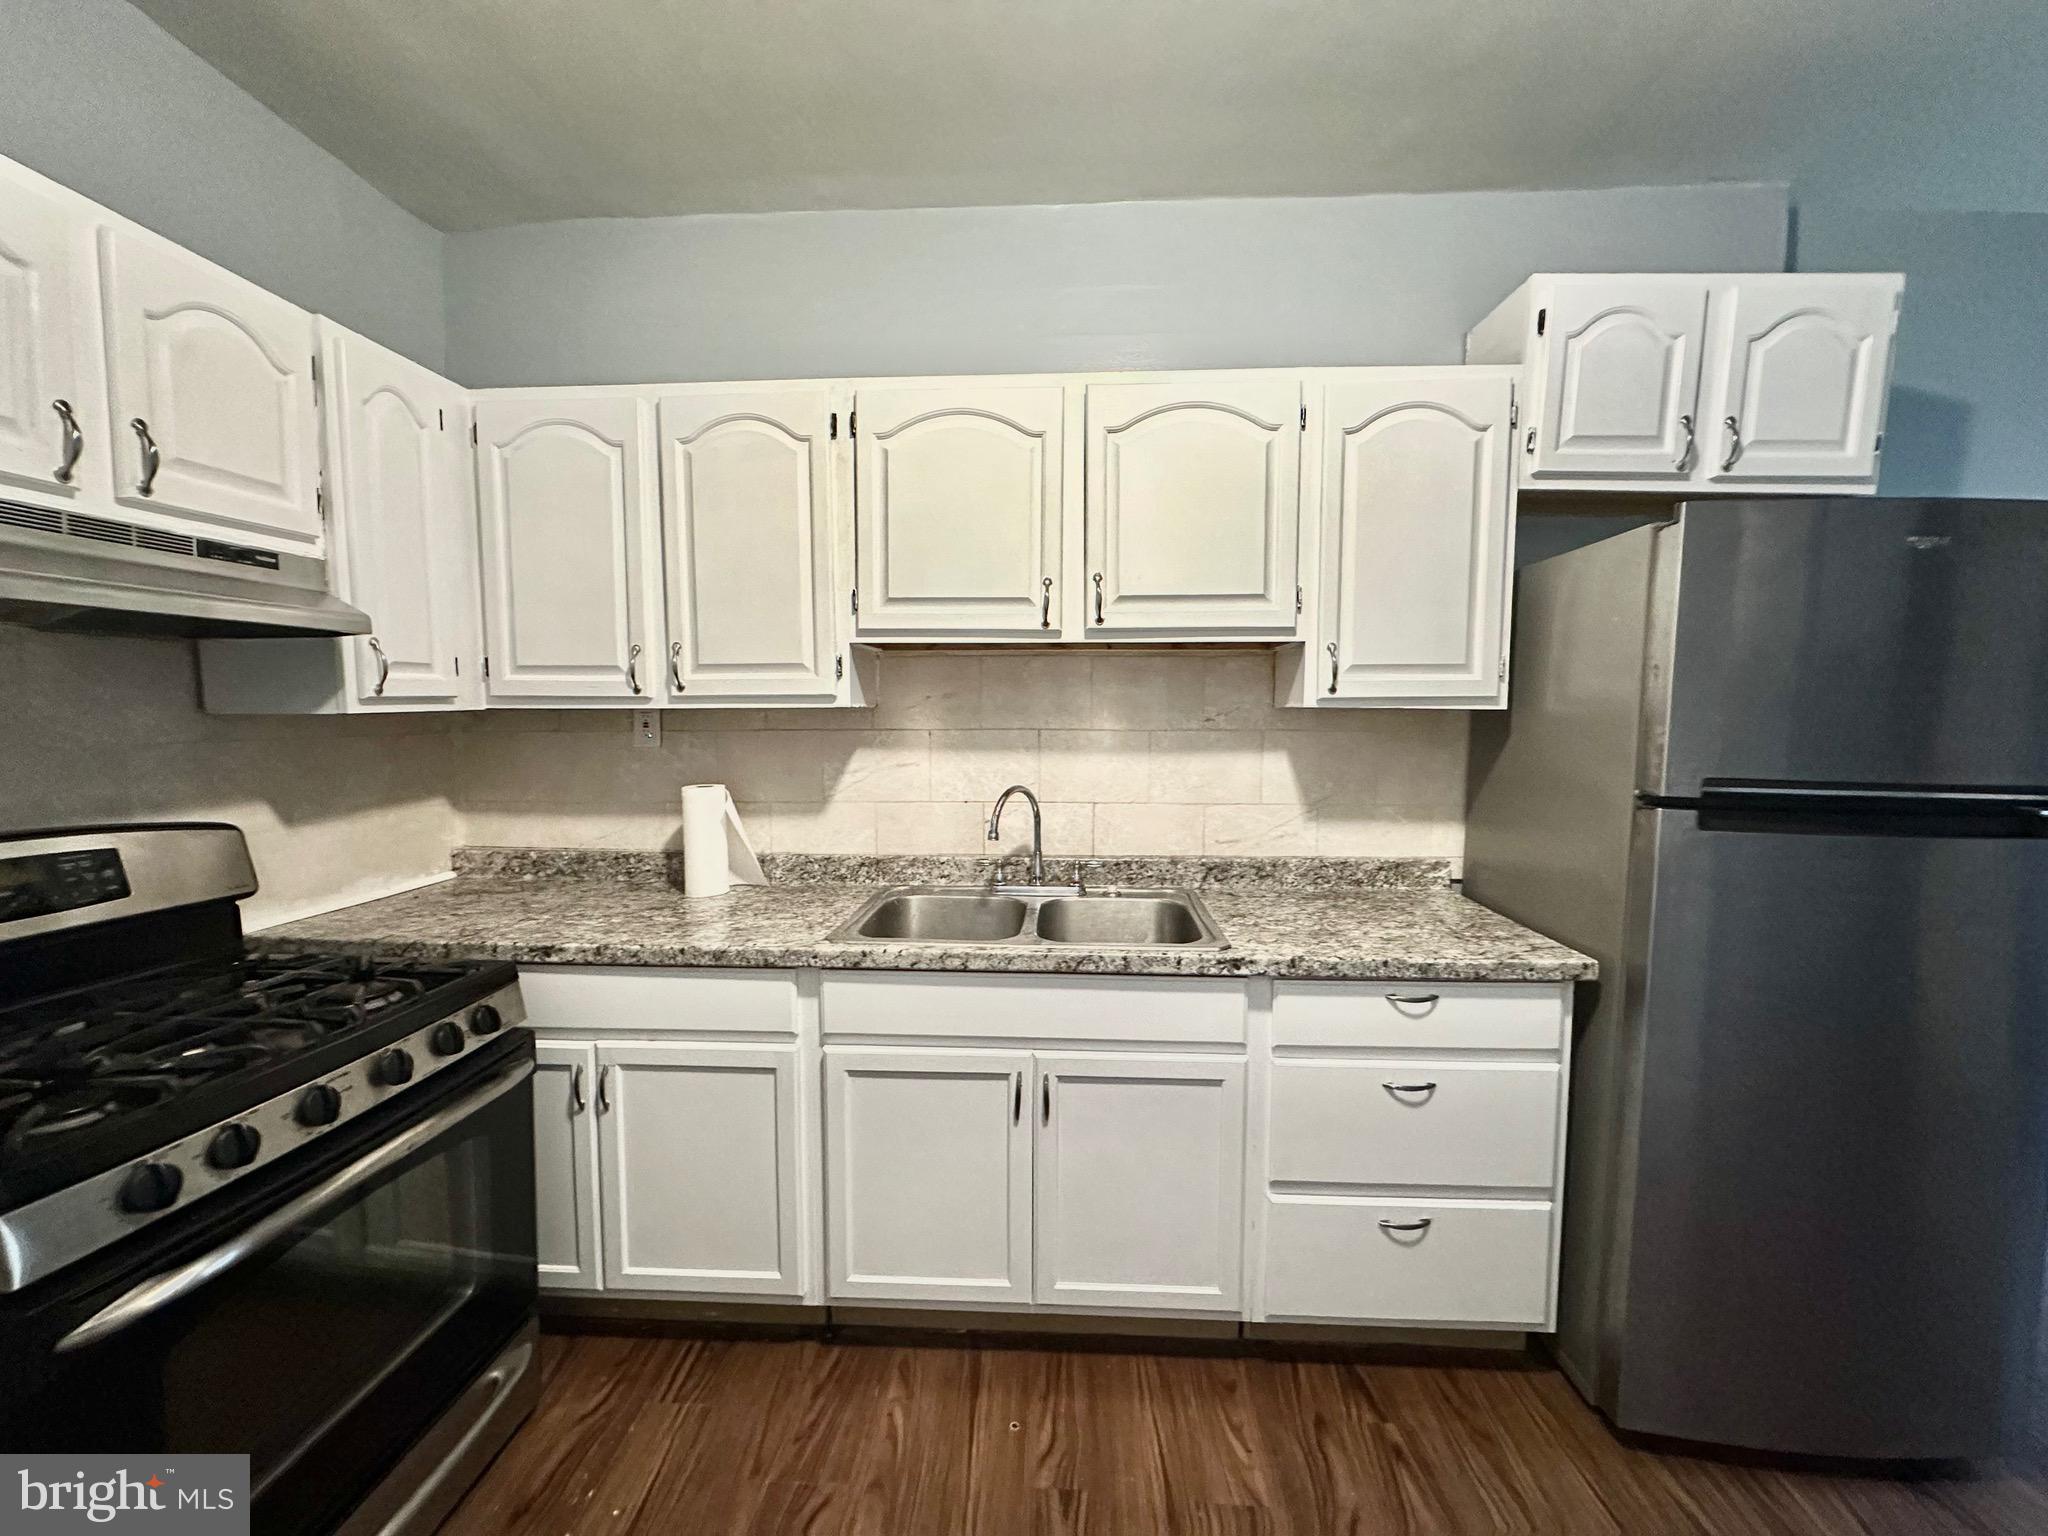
(76, 571)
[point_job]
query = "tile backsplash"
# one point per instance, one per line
(1166, 752)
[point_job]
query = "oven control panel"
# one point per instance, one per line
(38, 884)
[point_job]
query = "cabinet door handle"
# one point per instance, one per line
(1685, 451)
(1529, 442)
(1734, 430)
(633, 669)
(577, 1103)
(1098, 597)
(1017, 1100)
(1414, 999)
(675, 664)
(1045, 604)
(151, 458)
(1045, 1100)
(1332, 649)
(74, 441)
(1421, 1225)
(604, 1089)
(1409, 1087)
(383, 667)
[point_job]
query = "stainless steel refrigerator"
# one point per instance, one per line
(1782, 768)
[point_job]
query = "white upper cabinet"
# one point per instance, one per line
(1621, 377)
(1194, 490)
(53, 433)
(403, 505)
(569, 546)
(747, 539)
(1687, 382)
(210, 392)
(1140, 1181)
(1801, 391)
(960, 493)
(1417, 529)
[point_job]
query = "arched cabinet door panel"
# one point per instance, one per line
(210, 395)
(53, 427)
(1416, 532)
(1621, 378)
(959, 491)
(1194, 495)
(747, 543)
(1809, 361)
(563, 494)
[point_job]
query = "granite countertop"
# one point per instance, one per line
(613, 911)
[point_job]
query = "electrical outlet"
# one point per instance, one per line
(647, 727)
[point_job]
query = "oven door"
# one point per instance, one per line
(319, 1321)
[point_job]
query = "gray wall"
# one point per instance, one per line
(98, 97)
(1969, 408)
(1193, 284)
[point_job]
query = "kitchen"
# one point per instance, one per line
(1235, 1119)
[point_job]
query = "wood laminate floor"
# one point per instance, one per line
(695, 1437)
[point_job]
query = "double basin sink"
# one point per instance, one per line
(1033, 915)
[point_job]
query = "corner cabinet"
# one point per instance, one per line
(748, 515)
(1415, 541)
(1193, 509)
(402, 547)
(961, 493)
(1687, 383)
(210, 383)
(571, 547)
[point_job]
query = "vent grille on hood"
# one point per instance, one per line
(105, 530)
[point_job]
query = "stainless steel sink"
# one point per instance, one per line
(1032, 916)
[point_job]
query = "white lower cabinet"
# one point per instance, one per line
(928, 1175)
(1140, 1174)
(1460, 1263)
(698, 1147)
(565, 1165)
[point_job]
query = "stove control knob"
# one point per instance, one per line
(393, 1068)
(150, 1187)
(233, 1146)
(485, 1020)
(445, 1038)
(318, 1105)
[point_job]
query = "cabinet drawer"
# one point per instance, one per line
(1476, 1262)
(1409, 1122)
(642, 1000)
(1470, 1016)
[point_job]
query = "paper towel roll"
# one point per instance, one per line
(716, 851)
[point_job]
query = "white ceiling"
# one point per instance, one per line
(475, 113)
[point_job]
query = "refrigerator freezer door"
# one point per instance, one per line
(1886, 642)
(1835, 1225)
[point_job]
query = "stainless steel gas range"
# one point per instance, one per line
(274, 1204)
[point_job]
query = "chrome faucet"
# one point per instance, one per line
(1037, 829)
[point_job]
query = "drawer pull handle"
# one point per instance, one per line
(1409, 1087)
(1413, 999)
(1406, 1226)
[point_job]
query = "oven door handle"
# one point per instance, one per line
(154, 1294)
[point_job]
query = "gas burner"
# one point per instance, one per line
(62, 1110)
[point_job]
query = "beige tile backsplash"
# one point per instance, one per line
(1178, 752)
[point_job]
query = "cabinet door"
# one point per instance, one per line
(928, 1173)
(562, 498)
(1621, 377)
(210, 393)
(1808, 365)
(1140, 1181)
(747, 542)
(44, 359)
(565, 1165)
(958, 496)
(403, 507)
(698, 1146)
(1194, 494)
(1417, 511)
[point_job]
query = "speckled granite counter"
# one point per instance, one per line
(570, 912)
